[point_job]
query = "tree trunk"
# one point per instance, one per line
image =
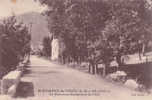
(140, 50)
(89, 68)
(105, 69)
(118, 59)
(97, 70)
(93, 68)
(143, 49)
(140, 58)
(64, 59)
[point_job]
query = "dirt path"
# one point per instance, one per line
(44, 76)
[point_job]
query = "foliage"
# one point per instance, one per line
(100, 31)
(15, 40)
(47, 46)
(127, 29)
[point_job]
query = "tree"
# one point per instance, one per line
(75, 23)
(127, 26)
(14, 38)
(99, 31)
(47, 46)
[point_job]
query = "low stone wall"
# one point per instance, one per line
(10, 82)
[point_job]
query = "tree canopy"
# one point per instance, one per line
(100, 30)
(15, 41)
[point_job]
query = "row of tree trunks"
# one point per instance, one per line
(93, 69)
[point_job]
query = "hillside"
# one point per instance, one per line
(39, 26)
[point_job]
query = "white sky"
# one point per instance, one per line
(7, 7)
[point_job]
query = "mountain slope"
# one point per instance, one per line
(39, 26)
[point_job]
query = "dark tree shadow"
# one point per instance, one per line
(27, 71)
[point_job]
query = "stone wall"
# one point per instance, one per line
(10, 82)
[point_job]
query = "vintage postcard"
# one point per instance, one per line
(75, 49)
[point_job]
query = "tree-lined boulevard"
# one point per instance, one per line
(46, 75)
(109, 39)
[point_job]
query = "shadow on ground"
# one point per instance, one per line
(26, 71)
(25, 89)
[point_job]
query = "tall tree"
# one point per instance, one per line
(47, 46)
(14, 38)
(100, 30)
(127, 28)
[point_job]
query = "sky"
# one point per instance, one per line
(8, 7)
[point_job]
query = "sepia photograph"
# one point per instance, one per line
(75, 49)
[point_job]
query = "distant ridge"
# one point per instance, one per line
(39, 26)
